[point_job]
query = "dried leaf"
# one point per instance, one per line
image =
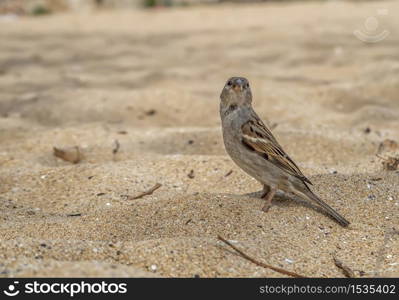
(387, 145)
(70, 154)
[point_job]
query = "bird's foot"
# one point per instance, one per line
(269, 194)
(266, 207)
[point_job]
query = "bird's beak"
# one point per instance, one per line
(237, 87)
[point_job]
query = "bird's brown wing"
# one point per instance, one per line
(257, 137)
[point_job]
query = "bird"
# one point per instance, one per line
(253, 147)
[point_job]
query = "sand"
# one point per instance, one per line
(153, 84)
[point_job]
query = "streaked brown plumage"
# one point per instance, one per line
(253, 147)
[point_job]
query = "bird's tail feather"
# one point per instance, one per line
(327, 208)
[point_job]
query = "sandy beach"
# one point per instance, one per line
(138, 93)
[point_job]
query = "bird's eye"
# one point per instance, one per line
(229, 83)
(247, 86)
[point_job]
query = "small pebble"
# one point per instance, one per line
(153, 267)
(191, 175)
(287, 260)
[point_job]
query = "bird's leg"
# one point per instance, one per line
(268, 194)
(265, 191)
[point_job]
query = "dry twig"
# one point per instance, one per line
(258, 263)
(74, 215)
(116, 148)
(345, 269)
(228, 173)
(149, 192)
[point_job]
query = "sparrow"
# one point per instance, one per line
(252, 146)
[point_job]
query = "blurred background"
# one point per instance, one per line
(34, 6)
(163, 62)
(43, 6)
(55, 50)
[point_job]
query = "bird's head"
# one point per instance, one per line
(236, 92)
